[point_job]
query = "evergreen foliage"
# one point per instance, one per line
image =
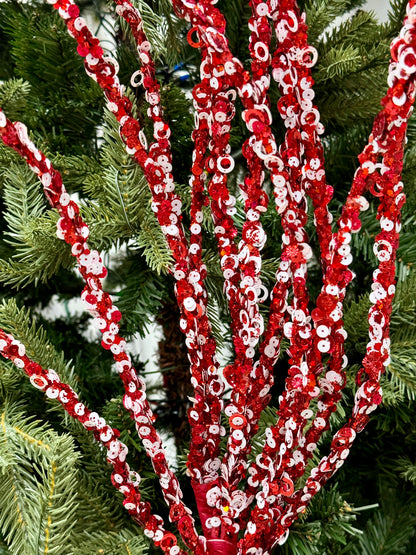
(30, 231)
(389, 531)
(55, 490)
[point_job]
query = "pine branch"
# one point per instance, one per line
(7, 158)
(14, 95)
(37, 501)
(407, 469)
(163, 30)
(356, 324)
(396, 14)
(322, 14)
(17, 488)
(142, 292)
(64, 104)
(407, 249)
(31, 231)
(387, 533)
(218, 315)
(153, 245)
(119, 209)
(3, 548)
(339, 62)
(10, 380)
(19, 322)
(404, 310)
(97, 508)
(122, 543)
(359, 29)
(402, 370)
(329, 526)
(56, 499)
(75, 170)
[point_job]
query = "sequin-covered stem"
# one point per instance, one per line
(123, 478)
(72, 229)
(156, 163)
(383, 180)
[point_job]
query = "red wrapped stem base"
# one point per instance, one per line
(221, 547)
(218, 545)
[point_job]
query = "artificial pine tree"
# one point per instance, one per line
(56, 494)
